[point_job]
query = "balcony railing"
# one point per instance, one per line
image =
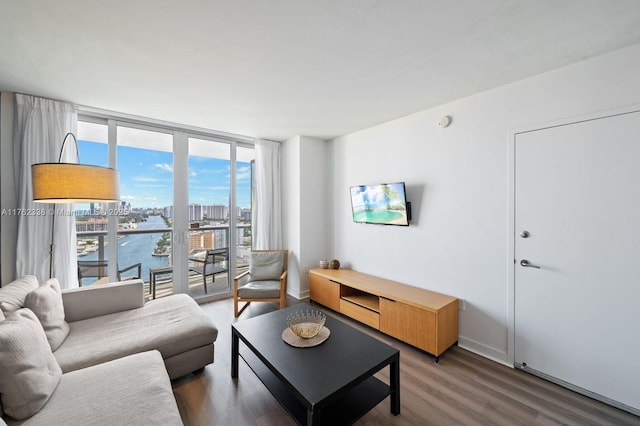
(134, 248)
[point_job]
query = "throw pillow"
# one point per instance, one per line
(46, 302)
(29, 373)
(264, 266)
(13, 294)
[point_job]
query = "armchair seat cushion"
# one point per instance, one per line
(260, 290)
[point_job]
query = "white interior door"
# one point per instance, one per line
(577, 218)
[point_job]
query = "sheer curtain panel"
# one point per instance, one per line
(268, 208)
(39, 128)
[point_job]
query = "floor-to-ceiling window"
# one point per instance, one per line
(144, 229)
(154, 166)
(209, 242)
(245, 184)
(91, 218)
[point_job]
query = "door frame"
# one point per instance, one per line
(511, 237)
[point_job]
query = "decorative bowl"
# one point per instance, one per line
(306, 324)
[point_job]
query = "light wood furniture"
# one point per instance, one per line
(261, 291)
(422, 318)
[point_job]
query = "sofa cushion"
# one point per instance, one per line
(46, 302)
(13, 294)
(266, 265)
(29, 372)
(133, 390)
(171, 325)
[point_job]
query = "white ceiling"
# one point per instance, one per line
(278, 68)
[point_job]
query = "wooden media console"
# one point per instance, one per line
(422, 318)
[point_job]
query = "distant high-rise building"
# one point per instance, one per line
(195, 212)
(216, 211)
(168, 212)
(91, 225)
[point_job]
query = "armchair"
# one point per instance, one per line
(267, 280)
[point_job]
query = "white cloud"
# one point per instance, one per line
(244, 173)
(166, 167)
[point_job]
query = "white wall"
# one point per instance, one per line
(290, 175)
(458, 181)
(313, 201)
(304, 214)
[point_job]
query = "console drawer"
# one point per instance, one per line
(364, 315)
(324, 291)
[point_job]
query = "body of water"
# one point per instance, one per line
(138, 248)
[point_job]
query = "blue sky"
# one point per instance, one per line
(146, 176)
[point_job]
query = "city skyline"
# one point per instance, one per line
(146, 177)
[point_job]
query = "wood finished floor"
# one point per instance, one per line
(462, 389)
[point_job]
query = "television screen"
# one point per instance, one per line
(383, 204)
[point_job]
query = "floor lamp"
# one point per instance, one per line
(72, 183)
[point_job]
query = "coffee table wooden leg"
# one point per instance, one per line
(394, 379)
(235, 353)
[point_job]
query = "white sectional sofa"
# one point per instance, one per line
(96, 355)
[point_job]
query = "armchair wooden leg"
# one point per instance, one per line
(237, 312)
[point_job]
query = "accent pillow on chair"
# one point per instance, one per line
(266, 266)
(46, 302)
(29, 373)
(13, 294)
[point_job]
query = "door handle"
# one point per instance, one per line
(525, 263)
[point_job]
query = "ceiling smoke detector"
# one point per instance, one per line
(444, 121)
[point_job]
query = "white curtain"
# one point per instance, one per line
(268, 226)
(39, 128)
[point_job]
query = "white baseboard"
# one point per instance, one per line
(484, 350)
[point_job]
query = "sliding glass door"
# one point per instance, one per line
(209, 217)
(144, 228)
(185, 204)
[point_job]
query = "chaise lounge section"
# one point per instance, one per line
(110, 321)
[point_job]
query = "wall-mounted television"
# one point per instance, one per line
(381, 204)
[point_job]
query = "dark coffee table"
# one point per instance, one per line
(331, 383)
